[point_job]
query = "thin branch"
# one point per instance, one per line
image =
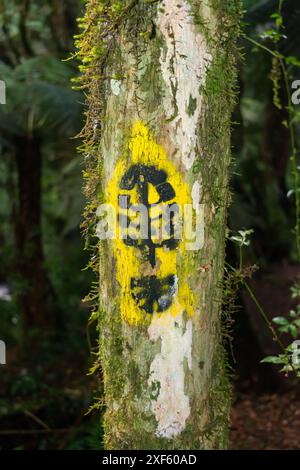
(37, 420)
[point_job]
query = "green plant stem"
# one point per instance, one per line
(264, 316)
(259, 307)
(241, 257)
(291, 128)
(281, 2)
(261, 46)
(293, 157)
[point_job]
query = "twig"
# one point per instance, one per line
(37, 420)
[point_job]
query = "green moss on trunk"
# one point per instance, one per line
(121, 49)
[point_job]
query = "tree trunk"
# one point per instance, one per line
(165, 126)
(34, 287)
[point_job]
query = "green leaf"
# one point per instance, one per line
(292, 60)
(281, 359)
(294, 331)
(281, 321)
(295, 290)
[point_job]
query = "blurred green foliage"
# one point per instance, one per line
(50, 383)
(262, 176)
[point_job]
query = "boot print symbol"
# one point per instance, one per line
(150, 293)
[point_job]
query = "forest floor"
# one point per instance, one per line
(265, 422)
(45, 408)
(266, 408)
(258, 421)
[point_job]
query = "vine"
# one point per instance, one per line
(280, 72)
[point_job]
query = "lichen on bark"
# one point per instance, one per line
(171, 65)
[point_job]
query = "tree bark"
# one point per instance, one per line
(167, 109)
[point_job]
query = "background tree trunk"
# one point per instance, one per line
(33, 294)
(168, 106)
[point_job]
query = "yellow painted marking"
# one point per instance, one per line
(143, 149)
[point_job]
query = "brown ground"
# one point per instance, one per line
(266, 422)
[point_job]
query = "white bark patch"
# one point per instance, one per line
(115, 86)
(169, 403)
(184, 67)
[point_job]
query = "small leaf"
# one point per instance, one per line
(294, 331)
(275, 15)
(292, 60)
(287, 368)
(293, 314)
(281, 359)
(281, 321)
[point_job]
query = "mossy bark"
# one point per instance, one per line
(171, 68)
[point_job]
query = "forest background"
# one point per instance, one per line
(45, 392)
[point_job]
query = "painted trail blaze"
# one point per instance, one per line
(151, 279)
